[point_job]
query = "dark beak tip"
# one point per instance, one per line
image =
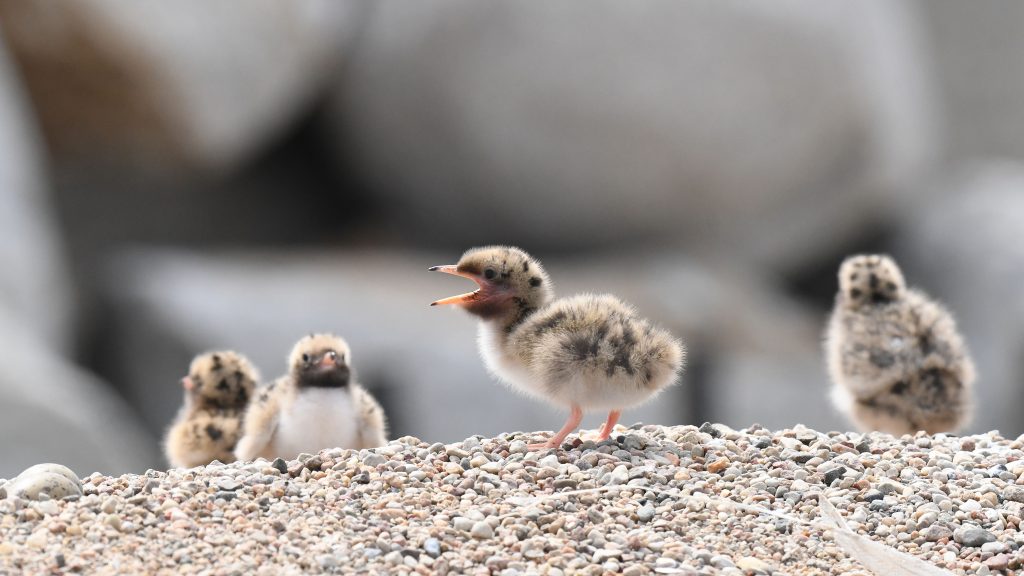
(433, 268)
(433, 303)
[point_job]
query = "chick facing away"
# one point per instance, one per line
(894, 355)
(217, 390)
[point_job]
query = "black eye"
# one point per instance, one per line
(305, 357)
(489, 274)
(332, 355)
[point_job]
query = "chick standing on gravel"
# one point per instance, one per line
(317, 405)
(896, 360)
(217, 390)
(586, 352)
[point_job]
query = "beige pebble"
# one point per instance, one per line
(718, 465)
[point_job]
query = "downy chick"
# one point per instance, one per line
(209, 424)
(317, 405)
(896, 360)
(585, 352)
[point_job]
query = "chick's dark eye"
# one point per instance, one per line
(489, 274)
(332, 355)
(305, 357)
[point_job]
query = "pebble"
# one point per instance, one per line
(37, 539)
(112, 520)
(482, 531)
(432, 546)
(998, 562)
(834, 474)
(722, 561)
(973, 537)
(373, 459)
(749, 563)
(1014, 494)
(937, 532)
(47, 507)
(718, 465)
(645, 513)
(970, 506)
(620, 475)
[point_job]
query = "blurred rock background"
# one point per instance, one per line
(179, 177)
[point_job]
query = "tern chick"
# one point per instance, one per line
(585, 352)
(895, 357)
(317, 405)
(209, 424)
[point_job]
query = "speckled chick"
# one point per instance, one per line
(585, 352)
(896, 360)
(217, 390)
(317, 405)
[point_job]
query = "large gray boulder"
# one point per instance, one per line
(753, 354)
(195, 83)
(770, 131)
(34, 283)
(52, 411)
(977, 50)
(965, 245)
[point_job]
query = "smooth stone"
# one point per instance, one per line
(482, 531)
(432, 546)
(620, 475)
(973, 537)
(749, 563)
(722, 561)
(50, 467)
(970, 506)
(47, 508)
(1014, 494)
(36, 485)
(373, 459)
(645, 513)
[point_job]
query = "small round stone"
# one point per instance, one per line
(482, 531)
(432, 546)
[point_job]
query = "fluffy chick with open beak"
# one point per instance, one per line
(217, 391)
(317, 405)
(585, 352)
(896, 360)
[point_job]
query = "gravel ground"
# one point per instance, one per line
(653, 499)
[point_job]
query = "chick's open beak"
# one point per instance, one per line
(461, 298)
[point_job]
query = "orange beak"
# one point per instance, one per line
(461, 298)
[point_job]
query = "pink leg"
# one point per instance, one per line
(571, 424)
(606, 430)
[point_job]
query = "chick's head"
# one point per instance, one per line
(321, 361)
(870, 279)
(510, 281)
(222, 380)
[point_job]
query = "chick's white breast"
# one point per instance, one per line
(587, 350)
(315, 420)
